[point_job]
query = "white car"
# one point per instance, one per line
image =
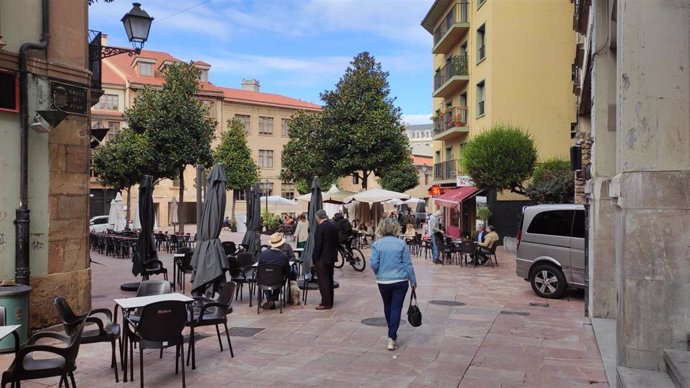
(98, 224)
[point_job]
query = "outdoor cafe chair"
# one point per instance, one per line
(62, 362)
(105, 329)
(466, 250)
(211, 312)
(269, 277)
(148, 288)
(229, 247)
(242, 272)
(183, 266)
(151, 267)
(160, 326)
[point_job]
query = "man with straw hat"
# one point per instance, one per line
(274, 256)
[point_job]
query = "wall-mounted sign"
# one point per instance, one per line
(464, 180)
(69, 98)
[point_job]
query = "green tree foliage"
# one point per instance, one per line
(553, 182)
(401, 177)
(500, 158)
(363, 126)
(121, 162)
(236, 157)
(177, 126)
(305, 154)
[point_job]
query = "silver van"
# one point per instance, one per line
(551, 248)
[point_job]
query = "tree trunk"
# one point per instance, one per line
(365, 178)
(180, 209)
(129, 201)
(232, 211)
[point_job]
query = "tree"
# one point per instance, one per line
(553, 182)
(305, 154)
(501, 158)
(120, 162)
(240, 169)
(362, 129)
(401, 177)
(177, 126)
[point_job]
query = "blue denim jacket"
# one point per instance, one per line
(390, 260)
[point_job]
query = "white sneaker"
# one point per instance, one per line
(391, 344)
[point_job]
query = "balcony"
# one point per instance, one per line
(449, 79)
(451, 125)
(446, 171)
(452, 29)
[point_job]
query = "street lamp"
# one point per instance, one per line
(266, 183)
(137, 25)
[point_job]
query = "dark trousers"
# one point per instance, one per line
(393, 296)
(325, 278)
(272, 296)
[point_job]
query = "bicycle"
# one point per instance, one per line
(352, 255)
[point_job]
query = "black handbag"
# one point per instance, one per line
(414, 315)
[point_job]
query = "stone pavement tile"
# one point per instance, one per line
(440, 381)
(546, 380)
(470, 382)
(505, 376)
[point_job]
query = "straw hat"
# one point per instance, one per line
(277, 240)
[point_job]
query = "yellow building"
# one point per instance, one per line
(265, 116)
(499, 61)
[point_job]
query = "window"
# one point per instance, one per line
(579, 224)
(355, 179)
(480, 3)
(239, 195)
(146, 69)
(113, 129)
(245, 121)
(481, 43)
(265, 125)
(284, 126)
(553, 222)
(427, 133)
(481, 95)
(287, 190)
(108, 102)
(9, 92)
(266, 158)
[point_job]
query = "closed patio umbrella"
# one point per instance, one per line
(146, 247)
(252, 238)
(208, 259)
(172, 213)
(315, 204)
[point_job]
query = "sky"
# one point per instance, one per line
(298, 48)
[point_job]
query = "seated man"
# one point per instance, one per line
(484, 247)
(275, 256)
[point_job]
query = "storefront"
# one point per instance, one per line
(459, 210)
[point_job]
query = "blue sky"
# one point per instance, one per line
(298, 48)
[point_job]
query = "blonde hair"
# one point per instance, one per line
(388, 227)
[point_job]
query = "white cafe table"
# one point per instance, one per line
(12, 329)
(141, 301)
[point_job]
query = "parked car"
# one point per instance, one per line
(551, 248)
(98, 224)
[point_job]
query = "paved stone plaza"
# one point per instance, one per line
(501, 336)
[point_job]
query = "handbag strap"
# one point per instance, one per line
(413, 296)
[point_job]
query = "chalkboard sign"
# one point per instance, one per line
(69, 98)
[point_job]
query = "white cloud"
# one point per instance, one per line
(414, 119)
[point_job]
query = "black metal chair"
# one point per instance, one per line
(466, 250)
(105, 329)
(269, 278)
(242, 272)
(151, 267)
(211, 312)
(183, 266)
(160, 326)
(229, 247)
(63, 364)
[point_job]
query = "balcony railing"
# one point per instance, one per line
(455, 117)
(457, 14)
(445, 170)
(456, 65)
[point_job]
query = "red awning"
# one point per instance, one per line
(453, 197)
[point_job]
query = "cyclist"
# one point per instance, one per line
(345, 231)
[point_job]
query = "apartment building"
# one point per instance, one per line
(420, 137)
(497, 61)
(265, 116)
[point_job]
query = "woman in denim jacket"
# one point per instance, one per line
(392, 265)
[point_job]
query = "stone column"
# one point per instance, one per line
(653, 175)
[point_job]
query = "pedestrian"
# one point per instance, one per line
(434, 228)
(324, 256)
(392, 265)
(302, 231)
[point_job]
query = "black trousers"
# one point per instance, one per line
(324, 272)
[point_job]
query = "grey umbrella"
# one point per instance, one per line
(146, 247)
(315, 203)
(252, 238)
(208, 260)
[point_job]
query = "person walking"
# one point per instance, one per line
(302, 231)
(435, 227)
(392, 265)
(324, 256)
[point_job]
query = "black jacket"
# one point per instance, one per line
(326, 242)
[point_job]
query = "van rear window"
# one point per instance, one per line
(552, 222)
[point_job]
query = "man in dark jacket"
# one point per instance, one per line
(275, 256)
(324, 256)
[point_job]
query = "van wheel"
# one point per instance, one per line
(547, 281)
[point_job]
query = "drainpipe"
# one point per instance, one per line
(21, 260)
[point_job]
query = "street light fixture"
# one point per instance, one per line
(137, 25)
